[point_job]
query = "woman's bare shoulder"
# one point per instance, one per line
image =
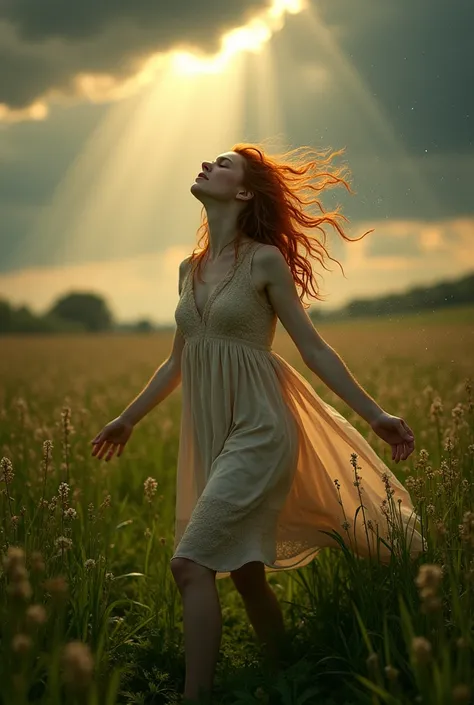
(183, 271)
(185, 263)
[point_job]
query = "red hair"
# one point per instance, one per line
(276, 214)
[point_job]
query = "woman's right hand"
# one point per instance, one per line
(113, 437)
(396, 432)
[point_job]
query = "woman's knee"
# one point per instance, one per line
(250, 578)
(186, 572)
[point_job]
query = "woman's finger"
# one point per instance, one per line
(110, 454)
(100, 448)
(97, 447)
(399, 452)
(407, 428)
(104, 449)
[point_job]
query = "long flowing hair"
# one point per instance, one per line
(284, 187)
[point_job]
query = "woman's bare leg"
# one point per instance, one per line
(262, 607)
(202, 620)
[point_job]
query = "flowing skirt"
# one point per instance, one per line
(266, 468)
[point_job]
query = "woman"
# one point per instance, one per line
(264, 468)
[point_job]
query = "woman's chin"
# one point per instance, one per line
(196, 189)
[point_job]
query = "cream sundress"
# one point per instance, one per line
(259, 450)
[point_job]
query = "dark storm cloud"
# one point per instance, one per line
(106, 36)
(175, 20)
(416, 58)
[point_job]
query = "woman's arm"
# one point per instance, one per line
(394, 430)
(332, 370)
(166, 378)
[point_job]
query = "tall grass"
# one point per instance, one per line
(89, 610)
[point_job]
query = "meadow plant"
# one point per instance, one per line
(433, 663)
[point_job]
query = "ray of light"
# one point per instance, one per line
(378, 119)
(269, 113)
(132, 179)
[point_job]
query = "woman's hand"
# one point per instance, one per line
(396, 433)
(112, 437)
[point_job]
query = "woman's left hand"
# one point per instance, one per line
(396, 433)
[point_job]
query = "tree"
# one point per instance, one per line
(88, 309)
(6, 317)
(144, 326)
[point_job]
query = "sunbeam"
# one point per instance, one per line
(358, 93)
(131, 181)
(145, 153)
(269, 113)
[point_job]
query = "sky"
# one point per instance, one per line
(107, 111)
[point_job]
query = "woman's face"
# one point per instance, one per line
(221, 180)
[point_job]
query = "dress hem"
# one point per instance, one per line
(303, 560)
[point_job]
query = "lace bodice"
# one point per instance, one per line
(234, 310)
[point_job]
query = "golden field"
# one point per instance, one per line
(90, 613)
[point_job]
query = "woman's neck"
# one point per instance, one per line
(222, 225)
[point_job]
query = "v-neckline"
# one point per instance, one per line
(227, 276)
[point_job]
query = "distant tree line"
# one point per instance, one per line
(419, 298)
(75, 312)
(86, 312)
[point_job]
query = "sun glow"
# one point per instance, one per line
(126, 190)
(250, 38)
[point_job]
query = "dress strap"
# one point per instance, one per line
(248, 280)
(252, 250)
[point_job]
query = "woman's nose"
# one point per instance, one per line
(206, 166)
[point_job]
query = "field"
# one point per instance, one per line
(89, 610)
